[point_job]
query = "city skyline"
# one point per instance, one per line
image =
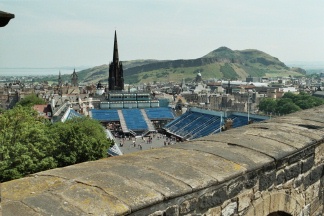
(80, 33)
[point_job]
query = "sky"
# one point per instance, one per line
(80, 33)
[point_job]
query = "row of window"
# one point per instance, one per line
(134, 97)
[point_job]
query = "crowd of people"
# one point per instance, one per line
(129, 143)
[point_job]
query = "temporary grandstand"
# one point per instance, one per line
(114, 150)
(134, 121)
(196, 123)
(64, 112)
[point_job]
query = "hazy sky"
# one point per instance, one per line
(56, 33)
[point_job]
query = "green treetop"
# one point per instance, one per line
(29, 143)
(289, 103)
(30, 100)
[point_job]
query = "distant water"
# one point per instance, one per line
(306, 65)
(36, 71)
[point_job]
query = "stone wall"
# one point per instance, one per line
(294, 186)
(275, 165)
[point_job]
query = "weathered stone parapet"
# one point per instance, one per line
(319, 153)
(276, 165)
(290, 195)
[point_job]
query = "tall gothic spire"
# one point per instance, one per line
(60, 82)
(116, 74)
(115, 56)
(74, 78)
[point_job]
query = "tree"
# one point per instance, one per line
(304, 100)
(290, 103)
(79, 140)
(2, 110)
(286, 106)
(24, 144)
(29, 143)
(268, 105)
(30, 101)
(291, 96)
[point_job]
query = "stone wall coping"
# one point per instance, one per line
(125, 184)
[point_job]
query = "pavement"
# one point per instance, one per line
(157, 141)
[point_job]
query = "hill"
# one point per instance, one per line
(222, 63)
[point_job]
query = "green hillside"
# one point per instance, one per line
(222, 63)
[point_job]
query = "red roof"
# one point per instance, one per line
(42, 109)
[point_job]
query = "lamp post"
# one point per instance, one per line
(220, 123)
(248, 109)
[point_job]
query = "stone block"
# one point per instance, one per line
(312, 192)
(230, 209)
(278, 201)
(256, 208)
(250, 180)
(307, 164)
(298, 181)
(216, 211)
(309, 151)
(244, 201)
(212, 199)
(296, 157)
(188, 206)
(235, 187)
(288, 184)
(292, 171)
(266, 180)
(266, 202)
(316, 174)
(269, 167)
(307, 179)
(280, 177)
(282, 163)
(172, 211)
(319, 154)
(293, 207)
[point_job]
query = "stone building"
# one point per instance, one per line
(74, 79)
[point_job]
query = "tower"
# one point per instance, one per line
(60, 82)
(74, 79)
(100, 89)
(116, 76)
(229, 89)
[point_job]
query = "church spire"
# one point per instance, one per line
(115, 56)
(116, 73)
(74, 78)
(60, 83)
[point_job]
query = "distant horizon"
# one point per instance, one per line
(82, 67)
(34, 71)
(47, 71)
